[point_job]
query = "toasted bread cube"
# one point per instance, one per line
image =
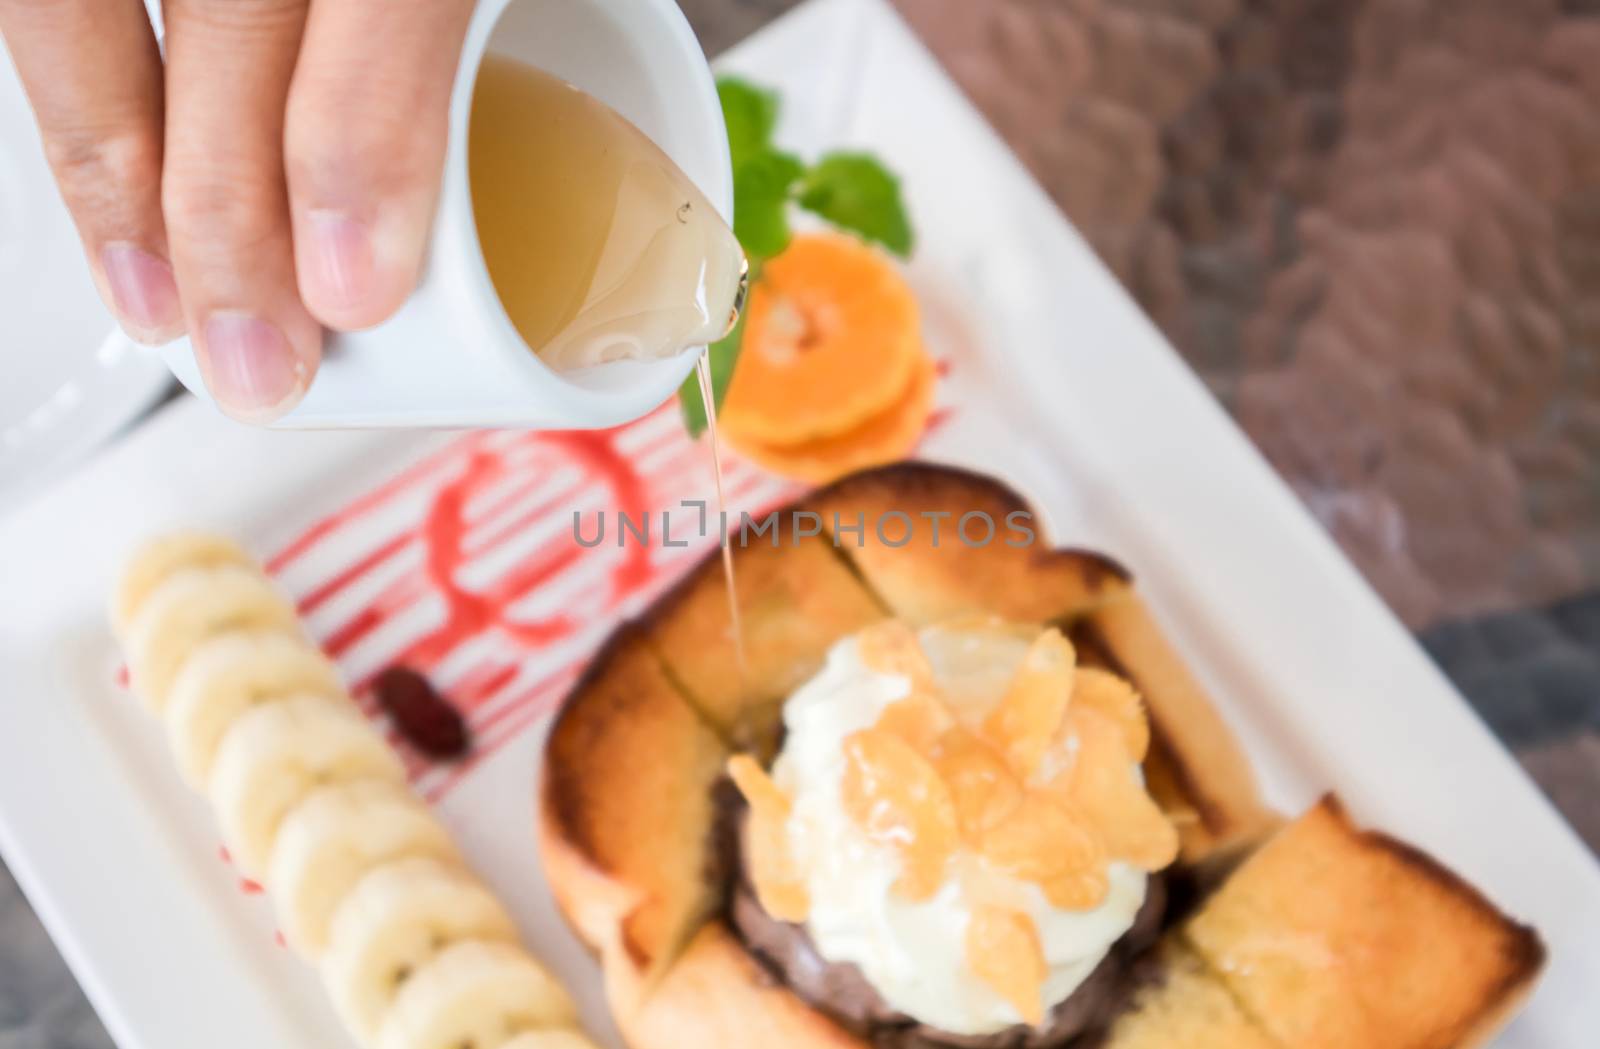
(795, 600)
(717, 994)
(627, 808)
(997, 562)
(1185, 1006)
(1338, 938)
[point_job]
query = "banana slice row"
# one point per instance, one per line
(415, 952)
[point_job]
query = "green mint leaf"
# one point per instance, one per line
(750, 113)
(761, 188)
(724, 355)
(854, 191)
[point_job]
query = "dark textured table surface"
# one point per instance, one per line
(1373, 227)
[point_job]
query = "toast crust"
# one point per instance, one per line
(928, 578)
(625, 808)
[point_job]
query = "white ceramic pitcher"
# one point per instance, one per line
(450, 357)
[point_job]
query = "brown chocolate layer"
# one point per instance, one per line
(844, 994)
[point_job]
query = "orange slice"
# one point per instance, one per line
(1041, 841)
(1025, 724)
(883, 438)
(1101, 785)
(1115, 698)
(778, 884)
(891, 647)
(975, 657)
(831, 338)
(896, 796)
(920, 719)
(982, 785)
(1003, 949)
(1078, 891)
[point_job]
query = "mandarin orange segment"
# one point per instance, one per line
(895, 795)
(1114, 697)
(1025, 723)
(920, 719)
(882, 438)
(831, 339)
(1078, 891)
(778, 884)
(981, 783)
(974, 657)
(983, 886)
(1040, 840)
(891, 647)
(763, 796)
(1101, 784)
(1004, 951)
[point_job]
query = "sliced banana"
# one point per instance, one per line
(477, 995)
(276, 753)
(188, 607)
(158, 558)
(416, 953)
(225, 676)
(395, 919)
(335, 836)
(554, 1038)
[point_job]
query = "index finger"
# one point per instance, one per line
(93, 75)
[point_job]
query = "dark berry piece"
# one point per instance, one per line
(420, 714)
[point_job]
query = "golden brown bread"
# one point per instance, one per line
(1331, 936)
(795, 600)
(716, 995)
(1186, 1006)
(930, 578)
(626, 810)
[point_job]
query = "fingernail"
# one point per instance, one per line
(252, 370)
(341, 258)
(143, 291)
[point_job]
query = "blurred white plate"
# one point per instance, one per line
(1056, 382)
(68, 384)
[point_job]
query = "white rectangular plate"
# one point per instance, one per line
(1053, 380)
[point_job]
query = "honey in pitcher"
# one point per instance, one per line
(598, 246)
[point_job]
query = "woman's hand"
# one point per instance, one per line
(277, 175)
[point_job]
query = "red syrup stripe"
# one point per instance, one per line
(406, 480)
(476, 497)
(319, 595)
(489, 534)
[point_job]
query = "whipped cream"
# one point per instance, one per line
(914, 953)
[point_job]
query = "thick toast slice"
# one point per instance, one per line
(1184, 1005)
(1332, 937)
(717, 996)
(626, 809)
